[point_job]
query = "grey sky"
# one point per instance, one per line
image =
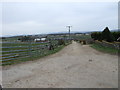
(37, 18)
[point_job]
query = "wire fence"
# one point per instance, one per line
(13, 52)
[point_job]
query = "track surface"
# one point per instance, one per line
(75, 66)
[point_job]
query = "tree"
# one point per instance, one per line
(116, 35)
(61, 42)
(96, 36)
(25, 38)
(107, 36)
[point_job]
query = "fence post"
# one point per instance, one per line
(29, 48)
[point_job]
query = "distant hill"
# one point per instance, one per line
(116, 30)
(62, 32)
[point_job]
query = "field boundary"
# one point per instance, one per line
(18, 52)
(114, 45)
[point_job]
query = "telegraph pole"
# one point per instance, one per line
(69, 27)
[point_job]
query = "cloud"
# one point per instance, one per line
(28, 27)
(36, 18)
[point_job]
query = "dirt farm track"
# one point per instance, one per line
(75, 66)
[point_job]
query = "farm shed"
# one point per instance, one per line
(43, 39)
(37, 39)
(40, 39)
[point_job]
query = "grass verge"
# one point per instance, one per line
(105, 49)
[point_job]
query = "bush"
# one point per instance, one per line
(80, 41)
(84, 42)
(25, 38)
(116, 35)
(97, 36)
(51, 47)
(61, 42)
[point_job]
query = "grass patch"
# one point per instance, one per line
(81, 37)
(104, 49)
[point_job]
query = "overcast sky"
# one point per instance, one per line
(36, 18)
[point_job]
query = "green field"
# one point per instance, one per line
(104, 49)
(14, 52)
(81, 37)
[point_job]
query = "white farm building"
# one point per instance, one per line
(40, 39)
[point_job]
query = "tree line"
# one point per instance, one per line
(106, 35)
